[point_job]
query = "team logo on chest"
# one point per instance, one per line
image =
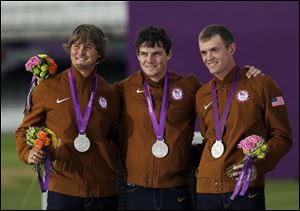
(102, 102)
(242, 96)
(177, 94)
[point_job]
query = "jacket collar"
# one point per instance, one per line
(80, 80)
(228, 78)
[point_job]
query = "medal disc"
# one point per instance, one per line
(82, 143)
(217, 149)
(159, 149)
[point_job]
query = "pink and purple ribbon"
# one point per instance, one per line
(45, 183)
(244, 179)
(33, 84)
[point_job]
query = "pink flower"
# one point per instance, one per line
(33, 61)
(250, 143)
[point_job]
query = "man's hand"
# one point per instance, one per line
(36, 157)
(238, 170)
(252, 72)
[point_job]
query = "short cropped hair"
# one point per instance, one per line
(216, 29)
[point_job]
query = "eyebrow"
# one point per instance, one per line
(158, 51)
(210, 49)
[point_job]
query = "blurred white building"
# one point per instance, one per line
(54, 19)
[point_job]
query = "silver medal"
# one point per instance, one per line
(217, 149)
(82, 143)
(159, 149)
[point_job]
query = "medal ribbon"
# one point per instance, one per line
(158, 127)
(220, 125)
(82, 122)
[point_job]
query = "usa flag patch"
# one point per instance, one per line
(277, 101)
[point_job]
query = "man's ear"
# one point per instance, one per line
(99, 58)
(232, 48)
(170, 54)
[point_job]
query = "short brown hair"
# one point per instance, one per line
(216, 29)
(88, 33)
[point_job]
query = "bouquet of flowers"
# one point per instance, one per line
(42, 138)
(42, 66)
(254, 147)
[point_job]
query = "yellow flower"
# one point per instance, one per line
(52, 137)
(42, 56)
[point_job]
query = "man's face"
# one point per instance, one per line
(215, 55)
(83, 55)
(153, 61)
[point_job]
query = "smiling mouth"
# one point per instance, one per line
(150, 67)
(212, 64)
(81, 59)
